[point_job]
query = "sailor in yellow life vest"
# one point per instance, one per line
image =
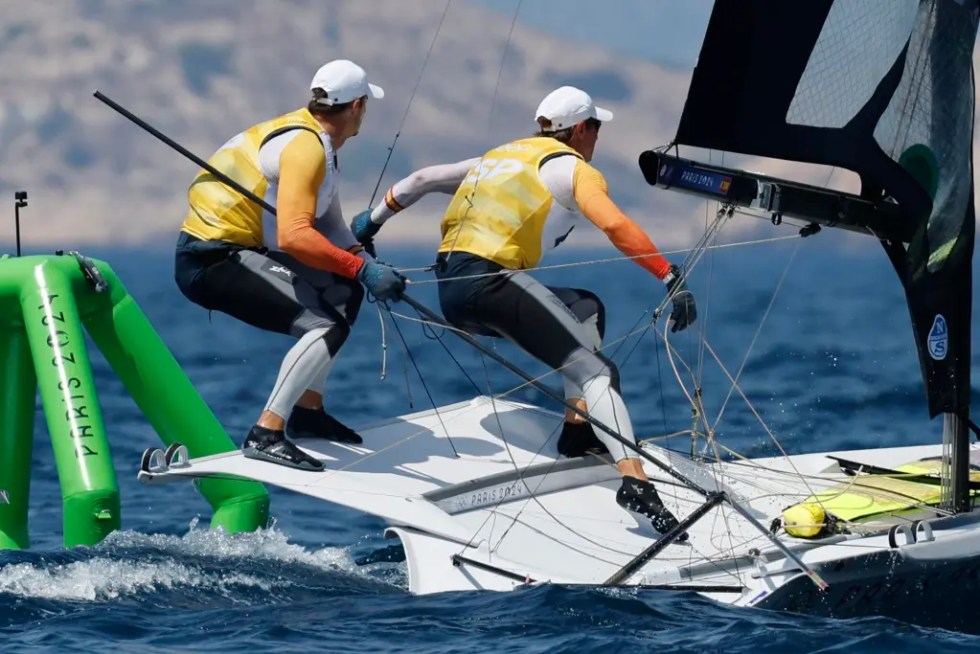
(296, 271)
(509, 205)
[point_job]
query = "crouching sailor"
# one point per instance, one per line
(510, 204)
(294, 272)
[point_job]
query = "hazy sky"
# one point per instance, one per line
(665, 31)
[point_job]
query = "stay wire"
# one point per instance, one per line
(411, 98)
(382, 308)
(590, 262)
(429, 331)
(533, 496)
(391, 152)
(435, 408)
(493, 100)
(755, 336)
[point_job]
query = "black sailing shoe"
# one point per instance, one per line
(272, 446)
(578, 439)
(641, 497)
(316, 423)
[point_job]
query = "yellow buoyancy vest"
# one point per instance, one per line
(219, 212)
(499, 210)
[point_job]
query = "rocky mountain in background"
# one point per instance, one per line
(202, 70)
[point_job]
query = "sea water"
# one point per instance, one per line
(827, 362)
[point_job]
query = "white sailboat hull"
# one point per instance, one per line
(479, 501)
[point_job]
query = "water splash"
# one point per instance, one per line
(103, 579)
(245, 567)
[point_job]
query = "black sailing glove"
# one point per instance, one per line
(684, 312)
(364, 230)
(382, 281)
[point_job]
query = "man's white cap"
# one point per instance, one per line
(567, 106)
(344, 81)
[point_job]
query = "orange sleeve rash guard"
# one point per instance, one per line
(302, 168)
(592, 197)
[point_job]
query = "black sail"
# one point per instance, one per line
(884, 89)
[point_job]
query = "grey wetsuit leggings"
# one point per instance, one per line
(272, 291)
(562, 327)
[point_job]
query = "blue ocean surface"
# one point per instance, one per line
(829, 363)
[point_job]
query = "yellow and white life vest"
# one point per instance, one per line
(220, 213)
(500, 209)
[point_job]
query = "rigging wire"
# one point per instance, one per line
(700, 413)
(753, 479)
(411, 98)
(476, 183)
(663, 402)
(707, 558)
(695, 398)
(695, 257)
(510, 453)
(532, 495)
(429, 331)
(380, 306)
(690, 263)
(622, 342)
(755, 336)
(710, 429)
(703, 327)
(751, 407)
(574, 264)
(384, 345)
(544, 374)
(478, 167)
(378, 185)
(425, 386)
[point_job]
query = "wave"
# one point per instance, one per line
(203, 563)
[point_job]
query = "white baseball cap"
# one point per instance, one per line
(344, 81)
(568, 106)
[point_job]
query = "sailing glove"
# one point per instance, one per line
(364, 230)
(381, 280)
(684, 312)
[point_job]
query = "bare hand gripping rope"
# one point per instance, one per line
(713, 498)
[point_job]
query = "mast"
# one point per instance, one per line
(956, 436)
(956, 464)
